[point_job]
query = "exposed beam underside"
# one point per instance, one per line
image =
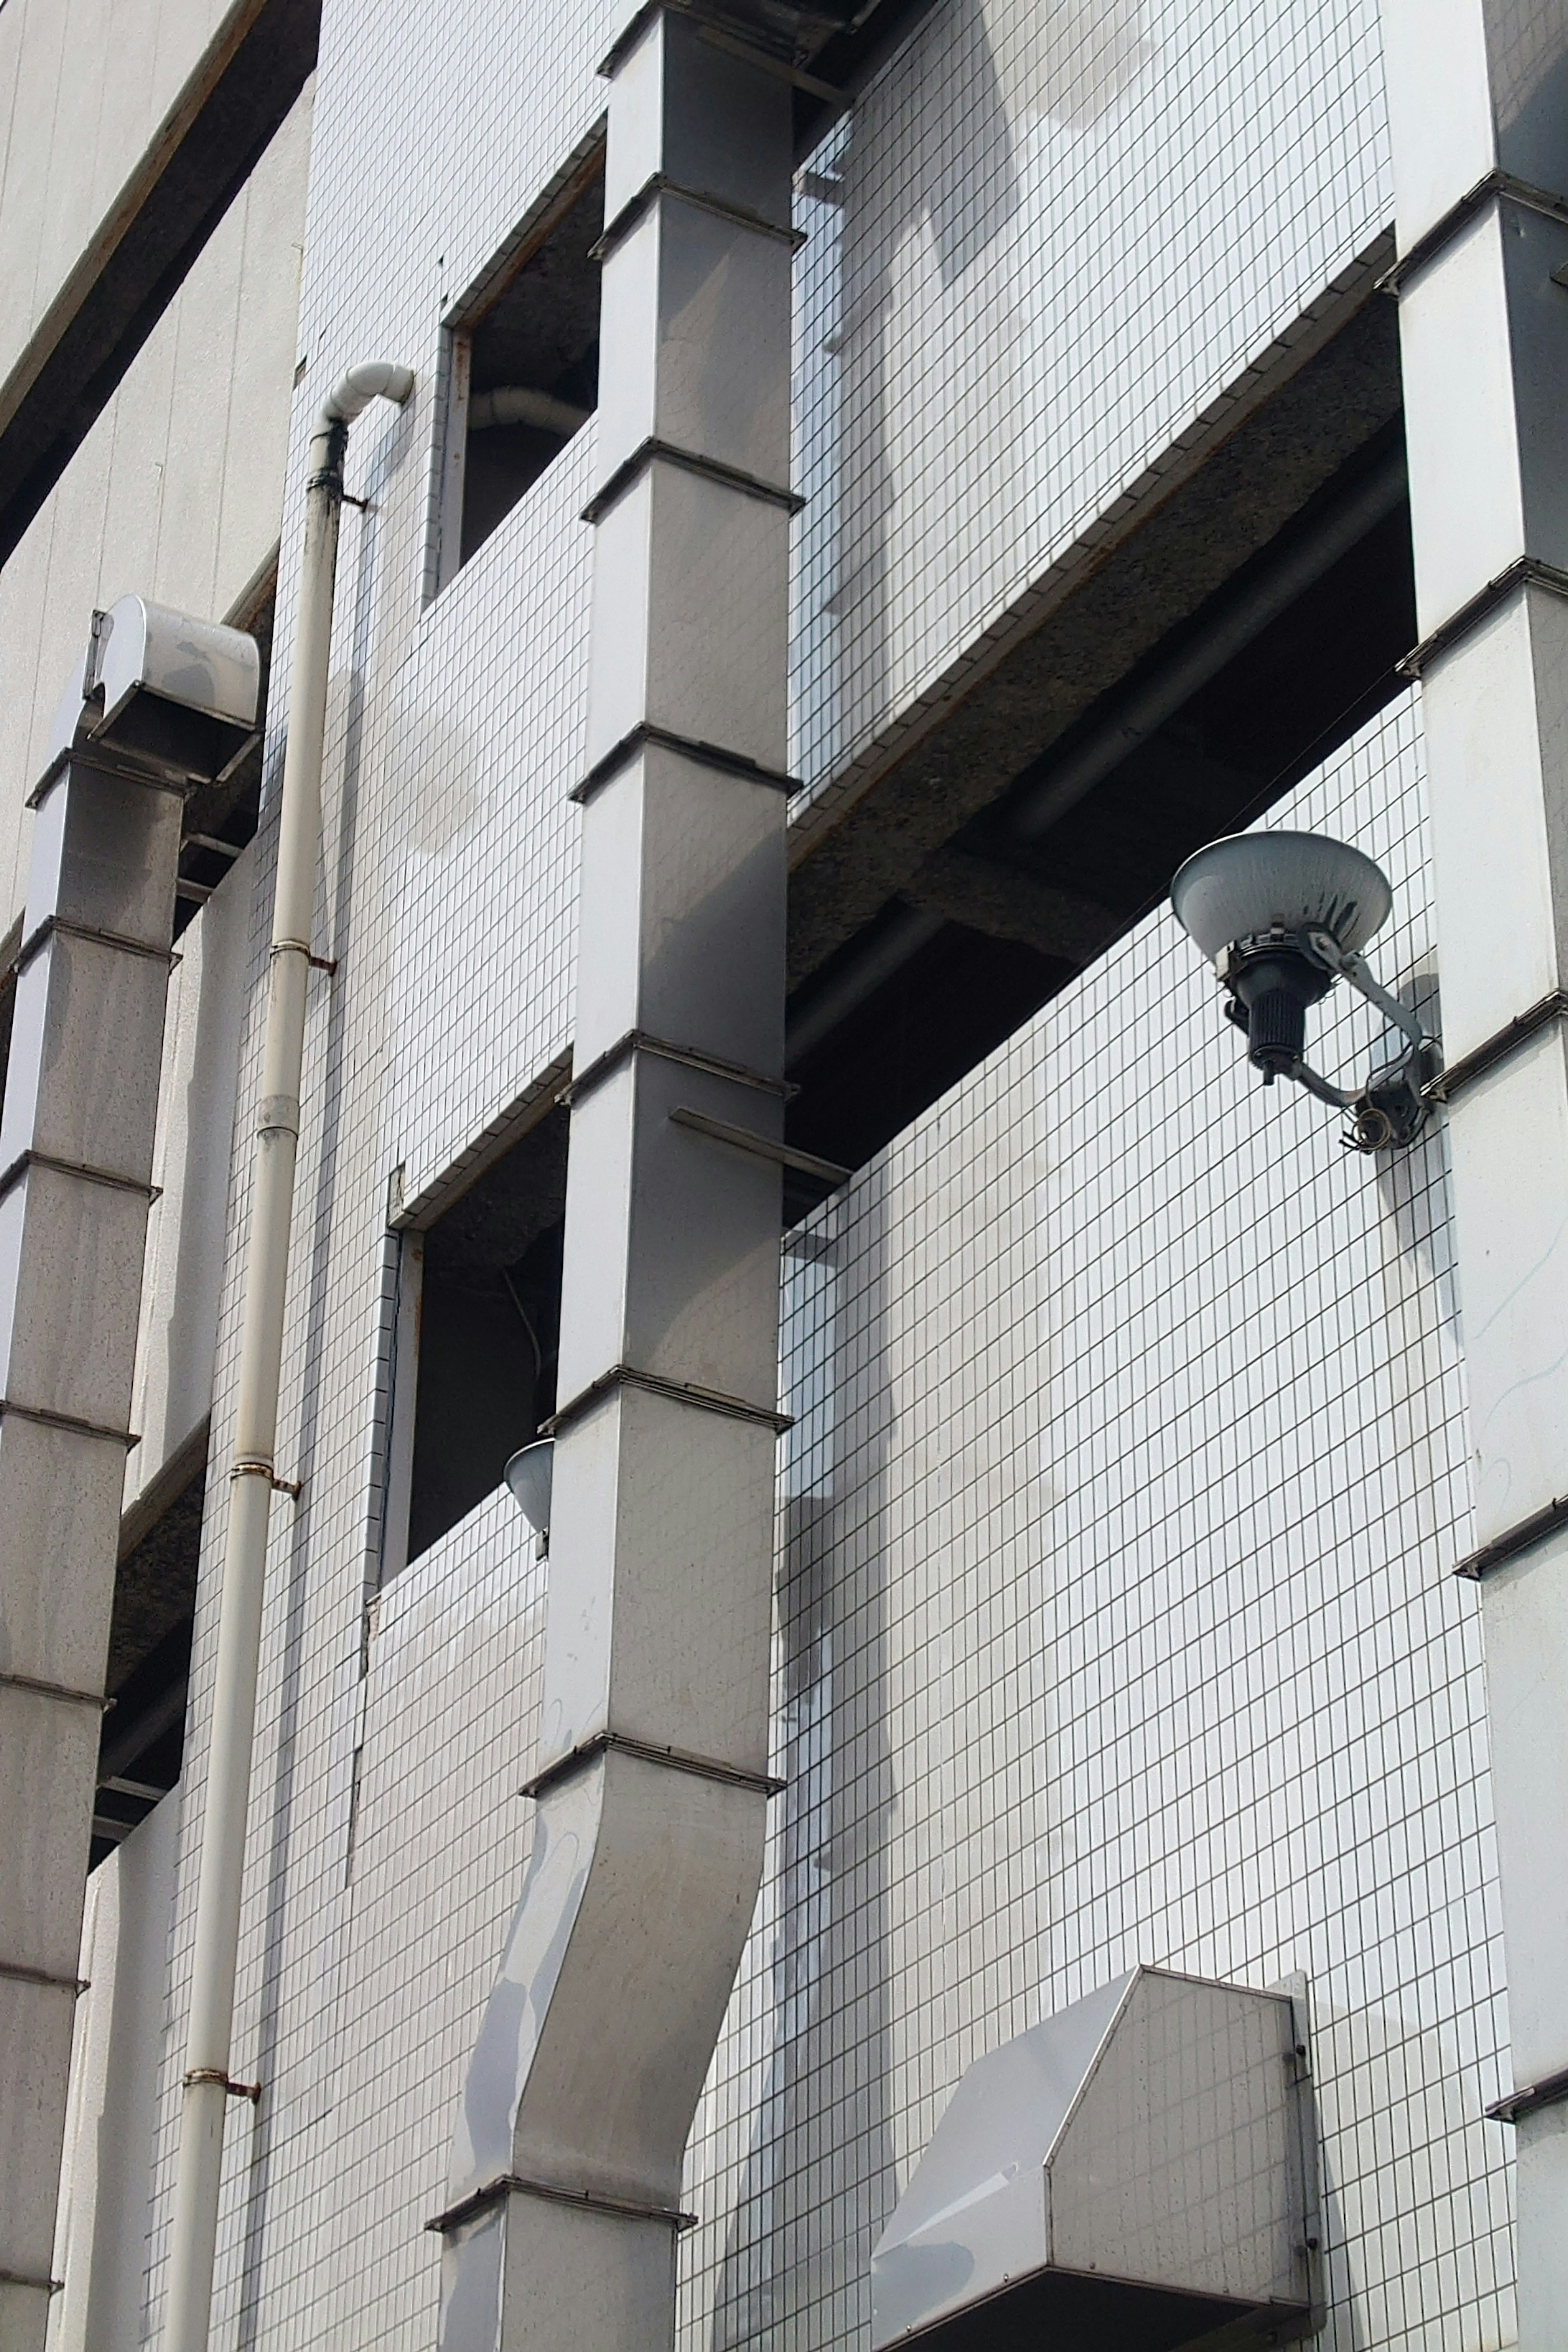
(926, 921)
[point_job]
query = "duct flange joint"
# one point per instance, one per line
(628, 1376)
(75, 1986)
(63, 1692)
(659, 184)
(25, 1160)
(645, 734)
(70, 1423)
(653, 451)
(642, 1041)
(58, 927)
(607, 1743)
(1549, 2092)
(517, 2184)
(38, 2286)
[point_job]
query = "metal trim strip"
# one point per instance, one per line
(673, 1760)
(654, 451)
(1526, 571)
(689, 747)
(761, 1147)
(1499, 1048)
(1521, 1538)
(1549, 2092)
(1504, 187)
(626, 1376)
(518, 2184)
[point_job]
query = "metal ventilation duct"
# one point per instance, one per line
(1133, 2174)
(159, 703)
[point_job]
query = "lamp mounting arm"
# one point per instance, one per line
(1356, 968)
(1324, 1088)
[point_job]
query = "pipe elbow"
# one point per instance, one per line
(516, 404)
(372, 380)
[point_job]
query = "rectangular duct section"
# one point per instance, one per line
(1134, 2174)
(651, 1784)
(161, 703)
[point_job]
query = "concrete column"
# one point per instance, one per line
(1478, 94)
(76, 1156)
(650, 1786)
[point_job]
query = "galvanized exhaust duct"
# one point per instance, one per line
(161, 703)
(1135, 2173)
(651, 1784)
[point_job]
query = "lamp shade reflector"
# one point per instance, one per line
(528, 1475)
(1253, 882)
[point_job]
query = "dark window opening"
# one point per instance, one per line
(489, 1326)
(526, 365)
(221, 818)
(143, 1742)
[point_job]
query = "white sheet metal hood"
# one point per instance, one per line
(1132, 2173)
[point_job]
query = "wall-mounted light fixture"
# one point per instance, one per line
(1282, 915)
(529, 1475)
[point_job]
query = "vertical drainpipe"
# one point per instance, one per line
(1478, 106)
(76, 1159)
(209, 2027)
(650, 1783)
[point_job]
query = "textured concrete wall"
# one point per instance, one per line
(176, 491)
(84, 84)
(106, 2186)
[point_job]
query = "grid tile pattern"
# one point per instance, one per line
(483, 753)
(1116, 1625)
(994, 1638)
(440, 1832)
(1046, 239)
(447, 899)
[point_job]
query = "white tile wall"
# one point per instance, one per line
(1116, 1623)
(1095, 1448)
(447, 897)
(1058, 235)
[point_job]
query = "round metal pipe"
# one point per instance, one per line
(1239, 619)
(210, 2028)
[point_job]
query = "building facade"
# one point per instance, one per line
(962, 455)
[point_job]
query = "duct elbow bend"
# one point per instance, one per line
(595, 2045)
(372, 380)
